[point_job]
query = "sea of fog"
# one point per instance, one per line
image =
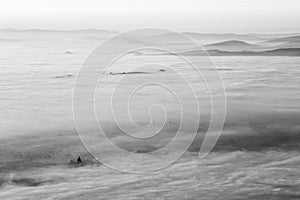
(256, 157)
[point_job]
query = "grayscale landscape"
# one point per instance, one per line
(42, 155)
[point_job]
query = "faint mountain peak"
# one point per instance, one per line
(96, 30)
(286, 39)
(295, 52)
(50, 30)
(274, 35)
(9, 29)
(223, 35)
(232, 43)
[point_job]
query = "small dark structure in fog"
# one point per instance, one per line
(76, 162)
(79, 160)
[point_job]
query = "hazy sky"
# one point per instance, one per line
(189, 15)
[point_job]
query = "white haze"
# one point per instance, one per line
(204, 16)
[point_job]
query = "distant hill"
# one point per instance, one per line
(217, 37)
(95, 31)
(285, 39)
(8, 40)
(201, 38)
(58, 31)
(9, 30)
(274, 52)
(94, 38)
(232, 45)
(283, 42)
(273, 35)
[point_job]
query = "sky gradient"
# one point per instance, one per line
(190, 15)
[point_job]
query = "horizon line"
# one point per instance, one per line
(11, 29)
